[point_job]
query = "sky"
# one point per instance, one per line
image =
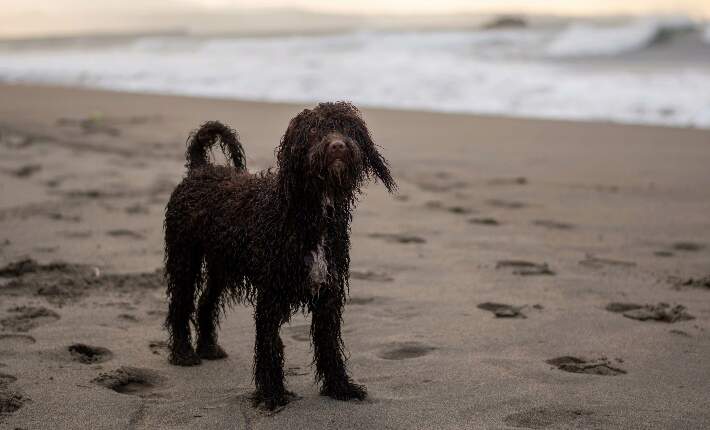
(371, 6)
(46, 17)
(453, 6)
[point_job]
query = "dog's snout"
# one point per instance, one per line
(337, 146)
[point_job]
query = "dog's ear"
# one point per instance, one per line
(291, 154)
(295, 140)
(374, 163)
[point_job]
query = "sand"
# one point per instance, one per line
(548, 222)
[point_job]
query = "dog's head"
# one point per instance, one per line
(330, 147)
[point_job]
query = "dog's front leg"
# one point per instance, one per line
(328, 349)
(269, 355)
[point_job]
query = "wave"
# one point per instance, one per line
(495, 72)
(581, 40)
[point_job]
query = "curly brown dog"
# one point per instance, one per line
(278, 239)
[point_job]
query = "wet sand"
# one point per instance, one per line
(530, 274)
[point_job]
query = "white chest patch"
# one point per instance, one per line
(319, 265)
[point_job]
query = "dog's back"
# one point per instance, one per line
(212, 199)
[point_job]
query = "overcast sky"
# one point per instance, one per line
(370, 6)
(38, 17)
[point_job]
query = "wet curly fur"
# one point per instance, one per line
(278, 240)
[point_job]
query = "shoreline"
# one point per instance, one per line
(295, 104)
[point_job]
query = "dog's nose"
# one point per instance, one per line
(337, 146)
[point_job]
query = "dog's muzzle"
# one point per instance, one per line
(337, 152)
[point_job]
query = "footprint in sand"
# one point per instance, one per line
(88, 354)
(25, 318)
(7, 379)
(10, 401)
(541, 418)
(441, 182)
(397, 237)
(12, 342)
(680, 333)
(158, 347)
(59, 294)
(364, 300)
(137, 209)
(301, 333)
(405, 351)
(620, 307)
(157, 313)
(702, 282)
(599, 366)
(14, 141)
(131, 380)
(28, 265)
(369, 275)
(90, 194)
(122, 232)
(95, 124)
(661, 312)
(58, 216)
(59, 282)
(506, 204)
(458, 210)
(79, 234)
(501, 310)
(26, 171)
(555, 225)
(484, 221)
(688, 246)
(128, 317)
(663, 254)
(525, 268)
(140, 281)
(520, 180)
(295, 371)
(599, 263)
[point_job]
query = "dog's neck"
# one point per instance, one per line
(318, 205)
(314, 198)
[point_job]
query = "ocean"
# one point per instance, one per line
(649, 70)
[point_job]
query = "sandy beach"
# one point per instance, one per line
(529, 274)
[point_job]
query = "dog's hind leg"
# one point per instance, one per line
(269, 352)
(183, 267)
(208, 312)
(331, 370)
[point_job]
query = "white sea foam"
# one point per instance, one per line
(580, 40)
(496, 72)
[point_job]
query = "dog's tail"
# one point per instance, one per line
(202, 139)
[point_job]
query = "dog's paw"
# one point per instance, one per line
(211, 351)
(273, 401)
(346, 390)
(184, 358)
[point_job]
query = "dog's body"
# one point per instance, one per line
(276, 239)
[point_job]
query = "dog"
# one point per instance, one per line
(278, 240)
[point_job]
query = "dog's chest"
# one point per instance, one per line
(318, 261)
(319, 264)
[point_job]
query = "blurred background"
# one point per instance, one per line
(634, 61)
